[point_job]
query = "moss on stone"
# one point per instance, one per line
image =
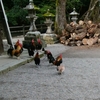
(35, 7)
(48, 14)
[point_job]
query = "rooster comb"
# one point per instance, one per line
(32, 40)
(60, 55)
(39, 40)
(18, 41)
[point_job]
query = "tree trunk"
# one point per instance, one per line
(60, 19)
(93, 12)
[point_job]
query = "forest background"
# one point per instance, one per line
(17, 15)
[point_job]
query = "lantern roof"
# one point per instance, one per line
(74, 12)
(31, 6)
(48, 14)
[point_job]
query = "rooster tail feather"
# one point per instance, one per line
(9, 52)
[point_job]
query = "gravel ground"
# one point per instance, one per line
(80, 81)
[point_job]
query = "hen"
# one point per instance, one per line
(61, 69)
(15, 51)
(37, 59)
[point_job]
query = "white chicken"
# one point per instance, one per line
(60, 69)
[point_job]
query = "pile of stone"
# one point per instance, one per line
(83, 33)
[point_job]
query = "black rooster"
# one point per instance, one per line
(38, 44)
(49, 55)
(51, 59)
(30, 47)
(37, 59)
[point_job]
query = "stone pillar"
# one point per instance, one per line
(1, 42)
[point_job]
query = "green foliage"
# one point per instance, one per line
(44, 6)
(8, 4)
(20, 3)
(17, 16)
(15, 13)
(80, 5)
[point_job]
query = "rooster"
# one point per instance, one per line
(50, 57)
(30, 47)
(37, 59)
(39, 44)
(58, 61)
(47, 53)
(15, 51)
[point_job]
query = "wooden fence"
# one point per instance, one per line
(22, 30)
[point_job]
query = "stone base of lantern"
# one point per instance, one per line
(49, 38)
(33, 35)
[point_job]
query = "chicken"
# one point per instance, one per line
(39, 44)
(58, 61)
(61, 69)
(37, 59)
(50, 57)
(30, 47)
(47, 53)
(15, 51)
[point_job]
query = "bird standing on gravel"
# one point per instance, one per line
(15, 51)
(30, 47)
(37, 59)
(61, 69)
(58, 61)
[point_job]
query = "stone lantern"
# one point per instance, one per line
(32, 33)
(31, 15)
(74, 15)
(48, 21)
(49, 37)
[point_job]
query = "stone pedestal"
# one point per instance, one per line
(33, 35)
(48, 24)
(49, 38)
